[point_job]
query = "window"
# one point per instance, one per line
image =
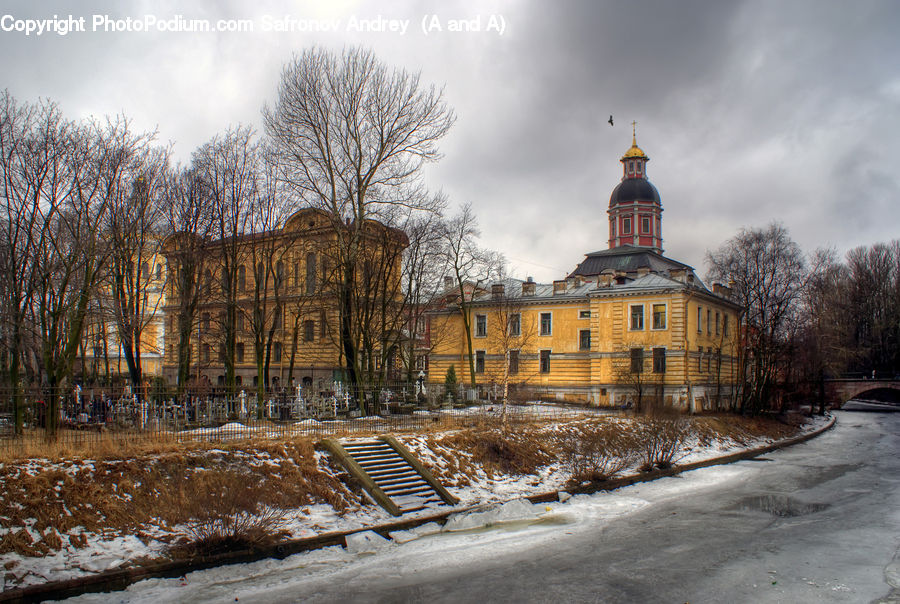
(310, 274)
(545, 361)
(659, 316)
(546, 323)
(309, 331)
(637, 360)
(513, 362)
(479, 361)
(612, 226)
(221, 353)
(296, 274)
(725, 325)
(584, 314)
(717, 322)
(626, 225)
(708, 358)
(515, 325)
(239, 352)
(480, 326)
(323, 324)
(708, 321)
(204, 321)
(239, 321)
(206, 353)
(158, 272)
(631, 167)
(637, 316)
(584, 339)
(260, 276)
(276, 319)
(645, 225)
(242, 278)
(700, 358)
(279, 273)
(276, 352)
(699, 319)
(659, 360)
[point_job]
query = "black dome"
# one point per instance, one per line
(634, 189)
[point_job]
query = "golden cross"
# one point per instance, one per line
(633, 136)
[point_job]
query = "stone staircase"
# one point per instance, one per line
(389, 472)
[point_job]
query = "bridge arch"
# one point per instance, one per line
(839, 392)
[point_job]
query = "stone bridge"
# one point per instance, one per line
(839, 391)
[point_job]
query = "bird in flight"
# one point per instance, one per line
(610, 121)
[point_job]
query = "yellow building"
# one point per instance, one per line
(102, 357)
(627, 327)
(285, 297)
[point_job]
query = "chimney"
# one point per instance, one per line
(559, 287)
(497, 291)
(448, 282)
(528, 287)
(643, 270)
(721, 289)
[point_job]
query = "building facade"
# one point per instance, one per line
(628, 326)
(279, 291)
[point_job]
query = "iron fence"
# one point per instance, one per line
(85, 416)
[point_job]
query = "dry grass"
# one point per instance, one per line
(214, 492)
(115, 496)
(513, 452)
(596, 450)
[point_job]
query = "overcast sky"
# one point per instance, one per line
(750, 111)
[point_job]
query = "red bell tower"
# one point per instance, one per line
(635, 210)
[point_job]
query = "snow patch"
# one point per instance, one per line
(366, 542)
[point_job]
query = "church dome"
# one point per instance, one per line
(634, 189)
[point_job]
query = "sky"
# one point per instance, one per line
(750, 111)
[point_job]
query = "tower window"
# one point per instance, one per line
(626, 225)
(645, 225)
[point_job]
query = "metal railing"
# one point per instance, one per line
(88, 416)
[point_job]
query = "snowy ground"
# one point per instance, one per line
(432, 563)
(100, 552)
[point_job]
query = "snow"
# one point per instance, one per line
(366, 542)
(474, 537)
(500, 499)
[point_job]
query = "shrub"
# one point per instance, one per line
(520, 452)
(662, 439)
(225, 515)
(595, 452)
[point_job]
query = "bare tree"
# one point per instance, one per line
(470, 267)
(134, 232)
(353, 135)
(768, 272)
(268, 256)
(508, 335)
(423, 262)
(188, 224)
(228, 168)
(28, 155)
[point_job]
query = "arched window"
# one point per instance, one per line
(310, 273)
(279, 273)
(242, 278)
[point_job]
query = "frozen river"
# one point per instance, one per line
(818, 522)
